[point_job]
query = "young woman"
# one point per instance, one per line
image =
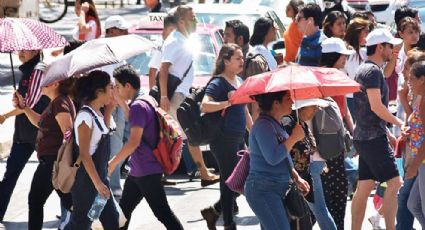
(416, 133)
(270, 163)
(88, 26)
(53, 124)
(292, 35)
(144, 179)
(356, 34)
(335, 25)
(265, 30)
(336, 176)
(94, 91)
(235, 119)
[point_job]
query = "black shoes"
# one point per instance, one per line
(211, 216)
(205, 183)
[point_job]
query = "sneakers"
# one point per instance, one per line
(211, 216)
(375, 221)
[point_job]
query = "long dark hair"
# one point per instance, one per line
(87, 87)
(226, 52)
(353, 33)
(261, 28)
(329, 59)
(330, 20)
(66, 86)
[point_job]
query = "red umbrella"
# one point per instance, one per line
(18, 34)
(303, 82)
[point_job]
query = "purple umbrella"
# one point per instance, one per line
(17, 34)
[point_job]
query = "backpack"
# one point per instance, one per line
(254, 64)
(199, 128)
(329, 130)
(169, 146)
(65, 167)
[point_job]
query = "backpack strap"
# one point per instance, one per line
(187, 71)
(152, 103)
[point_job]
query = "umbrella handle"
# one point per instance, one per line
(13, 71)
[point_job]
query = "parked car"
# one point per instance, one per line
(382, 9)
(206, 42)
(416, 3)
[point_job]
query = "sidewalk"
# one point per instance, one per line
(7, 129)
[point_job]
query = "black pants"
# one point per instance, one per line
(335, 187)
(19, 155)
(149, 187)
(41, 188)
(224, 149)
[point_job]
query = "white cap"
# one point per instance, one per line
(309, 102)
(335, 45)
(116, 21)
(379, 36)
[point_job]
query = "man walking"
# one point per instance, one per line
(371, 136)
(177, 58)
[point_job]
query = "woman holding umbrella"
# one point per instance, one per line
(25, 134)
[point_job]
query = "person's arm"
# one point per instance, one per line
(64, 120)
(403, 94)
(248, 119)
(374, 96)
(132, 144)
(348, 119)
(163, 81)
(208, 105)
(14, 112)
(33, 117)
(82, 25)
(152, 75)
(390, 67)
(84, 138)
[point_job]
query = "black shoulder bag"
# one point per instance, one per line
(172, 84)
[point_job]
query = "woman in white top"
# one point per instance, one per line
(356, 34)
(88, 26)
(265, 30)
(93, 91)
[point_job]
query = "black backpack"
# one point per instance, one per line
(329, 131)
(199, 128)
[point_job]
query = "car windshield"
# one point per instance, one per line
(416, 3)
(204, 57)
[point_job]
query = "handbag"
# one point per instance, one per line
(172, 84)
(236, 181)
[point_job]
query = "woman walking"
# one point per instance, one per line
(88, 26)
(94, 91)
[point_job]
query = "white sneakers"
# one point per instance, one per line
(375, 221)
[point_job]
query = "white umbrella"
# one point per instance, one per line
(94, 54)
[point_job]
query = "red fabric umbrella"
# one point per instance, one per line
(18, 34)
(303, 82)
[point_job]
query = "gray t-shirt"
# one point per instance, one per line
(368, 125)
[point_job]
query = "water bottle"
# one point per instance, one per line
(97, 207)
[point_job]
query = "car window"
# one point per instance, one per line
(218, 39)
(204, 57)
(275, 18)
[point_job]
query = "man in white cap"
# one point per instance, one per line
(116, 26)
(371, 136)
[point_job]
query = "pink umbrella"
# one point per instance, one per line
(302, 81)
(17, 34)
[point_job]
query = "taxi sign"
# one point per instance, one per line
(152, 21)
(156, 17)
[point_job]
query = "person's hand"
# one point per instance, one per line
(2, 119)
(85, 7)
(111, 167)
(165, 103)
(405, 132)
(18, 100)
(303, 185)
(298, 132)
(411, 171)
(103, 190)
(229, 95)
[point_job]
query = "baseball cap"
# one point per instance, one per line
(335, 45)
(309, 102)
(379, 36)
(116, 21)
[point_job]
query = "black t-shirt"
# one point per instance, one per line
(368, 125)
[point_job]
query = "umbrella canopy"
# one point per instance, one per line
(27, 34)
(94, 54)
(303, 82)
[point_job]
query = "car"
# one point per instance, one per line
(382, 9)
(207, 41)
(416, 4)
(422, 17)
(218, 14)
(278, 5)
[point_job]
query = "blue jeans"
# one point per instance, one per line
(19, 155)
(404, 216)
(416, 201)
(352, 172)
(321, 212)
(265, 199)
(116, 145)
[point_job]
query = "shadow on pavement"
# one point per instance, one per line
(53, 224)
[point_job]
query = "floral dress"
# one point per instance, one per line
(416, 131)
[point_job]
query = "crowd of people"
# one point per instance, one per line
(111, 124)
